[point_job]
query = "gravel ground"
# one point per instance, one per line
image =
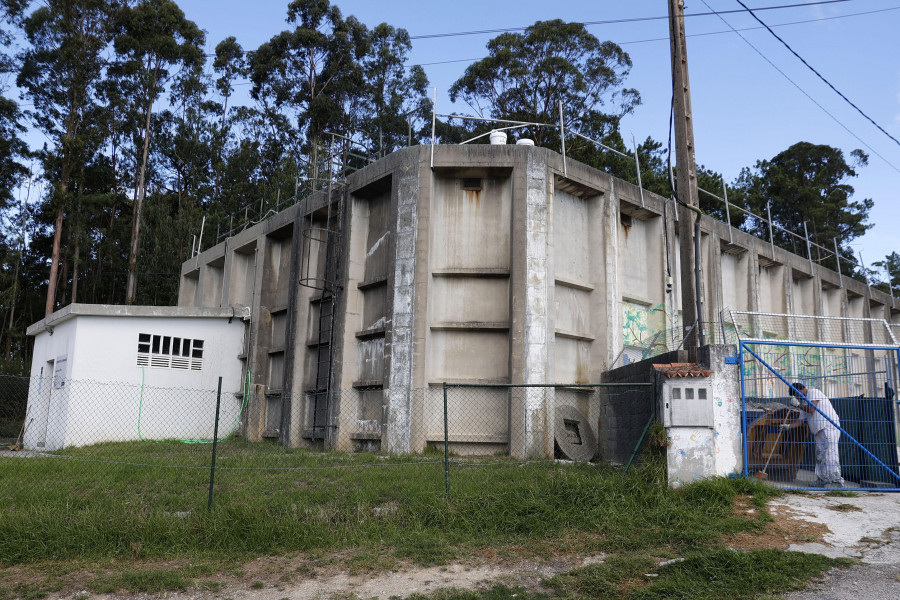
(869, 532)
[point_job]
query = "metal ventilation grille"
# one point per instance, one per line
(169, 352)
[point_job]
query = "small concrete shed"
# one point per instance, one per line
(105, 373)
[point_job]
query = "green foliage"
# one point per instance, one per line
(154, 494)
(807, 184)
(125, 501)
(526, 75)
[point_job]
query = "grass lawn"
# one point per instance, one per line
(122, 510)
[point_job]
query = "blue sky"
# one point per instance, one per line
(744, 109)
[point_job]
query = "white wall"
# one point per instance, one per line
(107, 396)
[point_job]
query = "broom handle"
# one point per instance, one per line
(775, 445)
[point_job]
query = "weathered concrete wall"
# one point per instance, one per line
(701, 452)
(494, 264)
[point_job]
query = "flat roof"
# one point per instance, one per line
(120, 310)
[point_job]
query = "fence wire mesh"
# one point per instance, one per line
(821, 416)
(178, 450)
(807, 329)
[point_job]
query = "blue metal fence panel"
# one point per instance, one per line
(839, 430)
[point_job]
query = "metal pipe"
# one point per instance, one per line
(489, 133)
(200, 241)
(837, 260)
(743, 408)
(487, 119)
(727, 211)
(771, 236)
(562, 137)
(212, 468)
(865, 274)
(889, 282)
(808, 248)
(698, 295)
(446, 447)
(637, 165)
(433, 122)
(602, 145)
(543, 385)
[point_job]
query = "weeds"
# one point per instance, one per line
(378, 511)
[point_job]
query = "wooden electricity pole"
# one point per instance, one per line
(688, 208)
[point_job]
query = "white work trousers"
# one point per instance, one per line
(828, 462)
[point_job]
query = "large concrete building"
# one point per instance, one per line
(476, 264)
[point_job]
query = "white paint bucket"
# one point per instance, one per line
(498, 138)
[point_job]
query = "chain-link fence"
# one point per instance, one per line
(179, 450)
(821, 416)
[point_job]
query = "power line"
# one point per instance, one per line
(802, 91)
(721, 32)
(618, 21)
(820, 76)
(803, 22)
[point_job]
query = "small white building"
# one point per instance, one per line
(119, 373)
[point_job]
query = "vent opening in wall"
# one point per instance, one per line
(471, 183)
(169, 352)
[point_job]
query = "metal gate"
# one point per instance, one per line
(819, 408)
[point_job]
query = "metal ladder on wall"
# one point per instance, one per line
(320, 425)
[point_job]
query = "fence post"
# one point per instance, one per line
(727, 210)
(212, 469)
(446, 447)
(743, 408)
(562, 138)
(433, 124)
(637, 166)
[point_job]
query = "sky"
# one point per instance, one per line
(751, 97)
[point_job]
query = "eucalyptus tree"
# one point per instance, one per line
(13, 149)
(59, 74)
(527, 75)
(309, 79)
(155, 40)
(396, 96)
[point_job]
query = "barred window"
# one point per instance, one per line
(169, 352)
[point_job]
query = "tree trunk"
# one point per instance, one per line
(75, 260)
(54, 256)
(131, 286)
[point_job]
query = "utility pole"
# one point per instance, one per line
(688, 208)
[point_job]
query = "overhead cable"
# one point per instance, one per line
(691, 35)
(617, 21)
(802, 91)
(819, 75)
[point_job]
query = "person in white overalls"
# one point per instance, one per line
(825, 432)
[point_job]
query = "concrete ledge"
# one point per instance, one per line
(571, 283)
(472, 272)
(470, 325)
(121, 310)
(370, 333)
(572, 335)
(478, 439)
(368, 383)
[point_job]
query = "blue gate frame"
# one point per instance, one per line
(889, 474)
